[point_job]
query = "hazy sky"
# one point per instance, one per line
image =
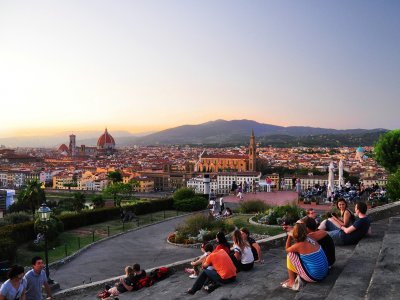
(149, 65)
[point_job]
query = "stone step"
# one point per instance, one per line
(385, 281)
(354, 279)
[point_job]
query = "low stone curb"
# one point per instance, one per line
(251, 221)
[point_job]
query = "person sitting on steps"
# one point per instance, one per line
(195, 271)
(322, 237)
(242, 255)
(346, 218)
(353, 234)
(305, 258)
(223, 271)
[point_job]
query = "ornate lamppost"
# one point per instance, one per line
(44, 216)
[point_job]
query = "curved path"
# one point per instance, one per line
(146, 246)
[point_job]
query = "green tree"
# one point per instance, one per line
(183, 193)
(98, 201)
(78, 202)
(32, 196)
(117, 191)
(393, 185)
(115, 176)
(387, 150)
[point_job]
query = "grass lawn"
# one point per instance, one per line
(71, 241)
(243, 221)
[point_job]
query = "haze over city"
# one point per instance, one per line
(142, 66)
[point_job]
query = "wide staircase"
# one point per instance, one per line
(369, 270)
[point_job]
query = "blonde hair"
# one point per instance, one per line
(238, 240)
(128, 270)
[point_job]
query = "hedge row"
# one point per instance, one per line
(88, 217)
(13, 235)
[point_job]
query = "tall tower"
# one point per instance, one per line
(252, 152)
(72, 144)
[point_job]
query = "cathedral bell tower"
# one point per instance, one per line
(252, 152)
(72, 144)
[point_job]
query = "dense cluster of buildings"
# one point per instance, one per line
(166, 168)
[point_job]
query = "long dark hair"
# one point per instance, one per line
(221, 239)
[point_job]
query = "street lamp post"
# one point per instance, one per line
(44, 215)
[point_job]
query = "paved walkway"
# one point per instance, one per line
(107, 259)
(276, 198)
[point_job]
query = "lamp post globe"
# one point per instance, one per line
(44, 215)
(44, 212)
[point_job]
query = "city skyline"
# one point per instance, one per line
(152, 65)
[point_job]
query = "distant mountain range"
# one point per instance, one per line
(220, 133)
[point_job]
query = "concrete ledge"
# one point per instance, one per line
(384, 211)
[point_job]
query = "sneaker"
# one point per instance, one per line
(211, 287)
(103, 294)
(193, 276)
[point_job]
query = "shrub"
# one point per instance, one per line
(17, 217)
(53, 227)
(183, 193)
(20, 233)
(8, 248)
(252, 206)
(199, 228)
(191, 204)
(288, 214)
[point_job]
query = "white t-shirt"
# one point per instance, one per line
(246, 255)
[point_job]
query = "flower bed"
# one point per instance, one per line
(287, 214)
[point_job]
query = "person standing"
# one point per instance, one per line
(254, 185)
(36, 279)
(221, 205)
(283, 185)
(298, 186)
(269, 183)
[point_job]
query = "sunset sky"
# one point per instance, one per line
(149, 65)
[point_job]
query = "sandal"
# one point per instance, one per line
(286, 286)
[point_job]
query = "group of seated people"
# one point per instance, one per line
(310, 249)
(128, 282)
(221, 214)
(220, 265)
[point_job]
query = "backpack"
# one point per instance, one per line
(160, 273)
(144, 282)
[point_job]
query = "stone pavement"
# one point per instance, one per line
(276, 198)
(369, 270)
(108, 258)
(261, 283)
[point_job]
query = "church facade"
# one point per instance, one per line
(214, 163)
